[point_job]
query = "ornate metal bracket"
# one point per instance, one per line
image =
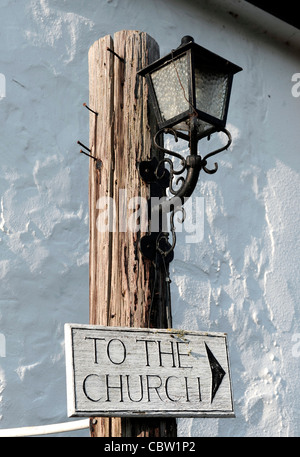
(154, 171)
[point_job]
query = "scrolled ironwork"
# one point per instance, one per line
(192, 165)
(184, 162)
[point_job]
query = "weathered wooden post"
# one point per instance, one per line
(122, 289)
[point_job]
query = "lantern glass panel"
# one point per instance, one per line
(171, 86)
(211, 92)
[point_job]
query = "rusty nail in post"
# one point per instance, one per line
(85, 147)
(90, 109)
(89, 155)
(115, 54)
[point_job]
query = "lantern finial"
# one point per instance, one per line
(186, 39)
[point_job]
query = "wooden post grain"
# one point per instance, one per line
(121, 281)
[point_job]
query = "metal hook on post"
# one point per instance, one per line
(98, 161)
(92, 111)
(117, 55)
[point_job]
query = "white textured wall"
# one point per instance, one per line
(242, 278)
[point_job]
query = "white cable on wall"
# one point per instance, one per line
(45, 429)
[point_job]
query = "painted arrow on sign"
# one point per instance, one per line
(217, 372)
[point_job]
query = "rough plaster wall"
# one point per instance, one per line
(242, 278)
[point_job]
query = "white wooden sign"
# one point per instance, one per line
(114, 371)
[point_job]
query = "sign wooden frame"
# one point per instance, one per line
(132, 372)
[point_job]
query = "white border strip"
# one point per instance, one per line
(45, 429)
(69, 370)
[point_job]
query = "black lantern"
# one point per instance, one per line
(189, 90)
